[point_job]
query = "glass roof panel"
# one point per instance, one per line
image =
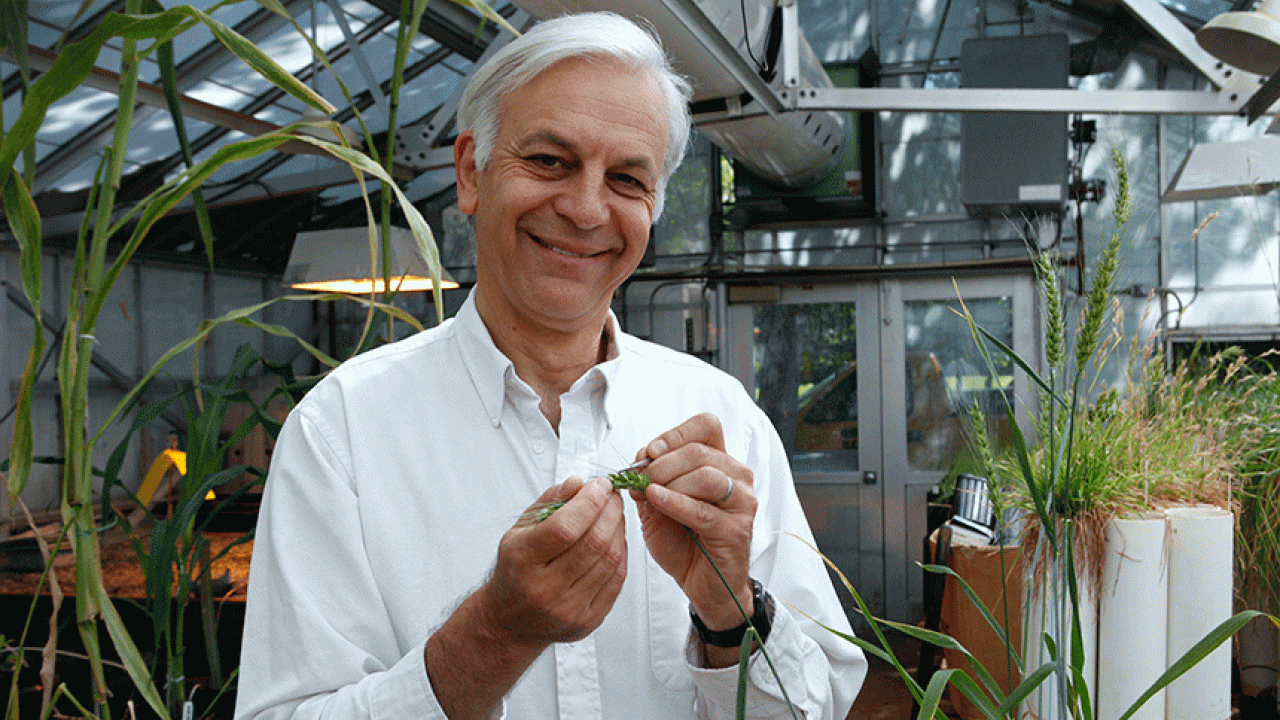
(379, 52)
(1205, 10)
(67, 118)
(219, 95)
(12, 106)
(192, 40)
(277, 114)
(287, 48)
(427, 91)
(361, 9)
(154, 139)
(62, 14)
(80, 177)
(42, 35)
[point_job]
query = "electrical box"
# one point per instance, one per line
(1014, 163)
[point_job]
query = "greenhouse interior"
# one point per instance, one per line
(944, 348)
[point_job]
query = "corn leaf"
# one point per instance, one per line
(166, 198)
(421, 231)
(168, 81)
(24, 222)
(1024, 689)
(69, 71)
(75, 61)
(132, 660)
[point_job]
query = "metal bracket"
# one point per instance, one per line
(416, 144)
(790, 55)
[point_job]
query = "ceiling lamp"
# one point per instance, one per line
(337, 260)
(1246, 40)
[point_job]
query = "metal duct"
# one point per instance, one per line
(791, 149)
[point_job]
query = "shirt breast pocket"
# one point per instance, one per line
(668, 629)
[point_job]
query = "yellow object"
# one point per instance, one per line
(166, 460)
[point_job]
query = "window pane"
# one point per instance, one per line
(807, 381)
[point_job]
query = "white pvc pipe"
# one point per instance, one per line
(1200, 595)
(1132, 616)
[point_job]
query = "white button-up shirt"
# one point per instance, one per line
(395, 478)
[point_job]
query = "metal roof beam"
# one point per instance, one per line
(449, 24)
(1137, 102)
(191, 71)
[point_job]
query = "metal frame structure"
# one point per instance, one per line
(461, 33)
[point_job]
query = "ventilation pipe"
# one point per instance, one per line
(789, 149)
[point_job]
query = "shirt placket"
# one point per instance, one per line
(577, 669)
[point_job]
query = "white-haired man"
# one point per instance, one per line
(375, 592)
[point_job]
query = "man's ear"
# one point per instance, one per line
(464, 163)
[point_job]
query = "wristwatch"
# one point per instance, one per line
(761, 619)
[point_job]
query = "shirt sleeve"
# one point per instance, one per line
(318, 644)
(821, 671)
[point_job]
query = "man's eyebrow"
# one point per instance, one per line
(640, 162)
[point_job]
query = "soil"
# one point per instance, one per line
(124, 578)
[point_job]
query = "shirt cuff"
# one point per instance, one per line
(405, 690)
(718, 687)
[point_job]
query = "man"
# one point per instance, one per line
(375, 592)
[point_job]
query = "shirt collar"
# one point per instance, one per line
(486, 364)
(493, 373)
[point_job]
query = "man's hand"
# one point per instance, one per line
(554, 581)
(690, 474)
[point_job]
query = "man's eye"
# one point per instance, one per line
(548, 161)
(630, 181)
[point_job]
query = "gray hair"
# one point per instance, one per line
(602, 34)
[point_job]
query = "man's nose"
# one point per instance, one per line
(584, 201)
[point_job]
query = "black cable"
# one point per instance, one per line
(746, 36)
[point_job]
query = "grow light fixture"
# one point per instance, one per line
(337, 260)
(1246, 40)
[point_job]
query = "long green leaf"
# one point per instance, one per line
(69, 71)
(982, 608)
(744, 664)
(1030, 683)
(421, 231)
(168, 81)
(74, 63)
(132, 660)
(933, 695)
(166, 198)
(239, 315)
(24, 222)
(1198, 652)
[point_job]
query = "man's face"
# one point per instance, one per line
(564, 205)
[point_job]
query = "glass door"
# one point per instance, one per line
(934, 374)
(811, 361)
(869, 386)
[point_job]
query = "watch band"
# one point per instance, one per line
(761, 619)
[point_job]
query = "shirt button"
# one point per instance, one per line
(538, 447)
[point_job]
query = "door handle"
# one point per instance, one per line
(869, 477)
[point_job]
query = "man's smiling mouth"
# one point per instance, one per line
(562, 251)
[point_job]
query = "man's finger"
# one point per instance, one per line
(562, 529)
(703, 428)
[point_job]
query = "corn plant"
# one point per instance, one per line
(145, 28)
